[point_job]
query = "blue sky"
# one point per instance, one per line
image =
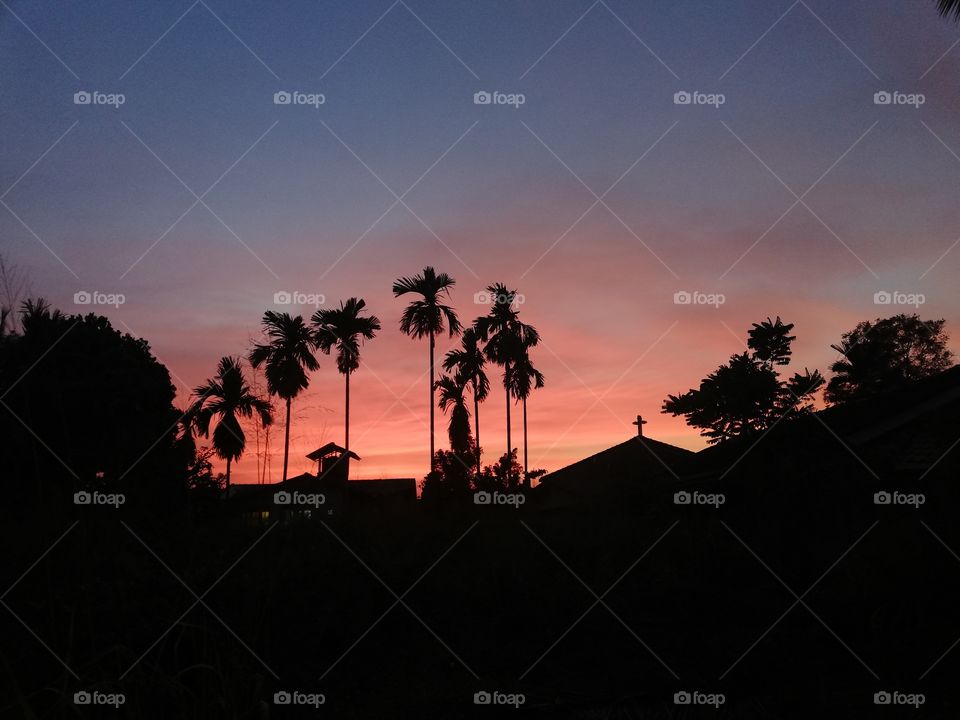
(297, 195)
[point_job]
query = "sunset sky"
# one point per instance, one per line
(599, 197)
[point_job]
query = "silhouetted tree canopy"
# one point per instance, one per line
(84, 403)
(451, 477)
(453, 480)
(504, 475)
(885, 355)
(770, 341)
(747, 394)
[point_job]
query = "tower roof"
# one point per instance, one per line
(331, 449)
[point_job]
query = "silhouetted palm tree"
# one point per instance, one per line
(288, 356)
(36, 315)
(451, 396)
(428, 316)
(507, 338)
(227, 397)
(949, 7)
(343, 328)
(187, 428)
(468, 362)
(524, 379)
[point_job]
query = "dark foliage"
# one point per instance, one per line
(84, 405)
(887, 354)
(747, 394)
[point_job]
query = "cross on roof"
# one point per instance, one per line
(640, 422)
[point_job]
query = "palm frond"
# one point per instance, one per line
(288, 354)
(227, 397)
(468, 363)
(949, 7)
(427, 315)
(345, 329)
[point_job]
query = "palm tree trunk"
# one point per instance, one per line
(346, 429)
(476, 420)
(286, 441)
(266, 453)
(228, 476)
(256, 430)
(526, 476)
(506, 378)
(431, 402)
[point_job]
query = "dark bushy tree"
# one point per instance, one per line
(451, 478)
(505, 475)
(885, 355)
(205, 488)
(84, 404)
(747, 394)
